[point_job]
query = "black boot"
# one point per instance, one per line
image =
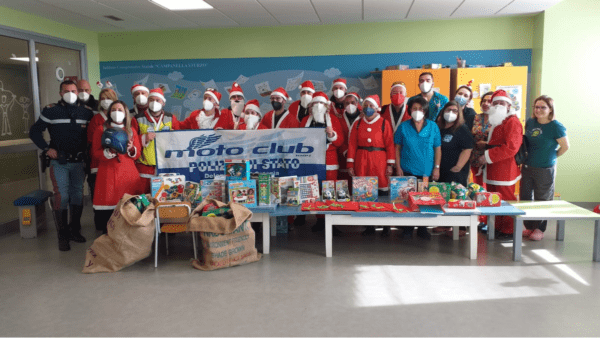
(60, 218)
(423, 233)
(75, 225)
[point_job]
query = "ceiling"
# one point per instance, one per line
(140, 15)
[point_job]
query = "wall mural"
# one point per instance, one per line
(16, 110)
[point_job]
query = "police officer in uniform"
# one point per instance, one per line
(66, 122)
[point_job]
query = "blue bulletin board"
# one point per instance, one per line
(186, 80)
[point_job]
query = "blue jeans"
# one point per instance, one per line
(67, 180)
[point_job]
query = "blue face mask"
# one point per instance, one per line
(369, 111)
(461, 100)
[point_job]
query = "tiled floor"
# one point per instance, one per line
(372, 286)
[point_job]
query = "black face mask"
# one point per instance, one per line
(276, 105)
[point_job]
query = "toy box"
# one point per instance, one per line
(173, 187)
(328, 191)
(461, 204)
(424, 198)
(191, 192)
(400, 186)
(156, 186)
(275, 191)
(237, 170)
(243, 192)
(285, 183)
(308, 188)
(342, 193)
(293, 197)
(264, 189)
(488, 199)
(365, 188)
(443, 188)
(215, 189)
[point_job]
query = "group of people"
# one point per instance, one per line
(426, 135)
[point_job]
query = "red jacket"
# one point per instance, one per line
(286, 121)
(504, 142)
(96, 122)
(331, 158)
(242, 126)
(294, 109)
(387, 114)
(221, 120)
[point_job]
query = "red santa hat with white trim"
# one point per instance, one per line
(157, 92)
(214, 93)
(355, 96)
(374, 99)
(341, 82)
(137, 87)
(501, 95)
(308, 86)
(281, 93)
(320, 97)
(254, 105)
(236, 90)
(398, 84)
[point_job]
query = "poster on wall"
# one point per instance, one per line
(516, 95)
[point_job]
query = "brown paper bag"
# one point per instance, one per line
(129, 239)
(225, 242)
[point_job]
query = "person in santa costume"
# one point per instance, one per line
(210, 117)
(251, 116)
(300, 108)
(140, 99)
(395, 112)
(236, 106)
(349, 116)
(107, 97)
(338, 88)
(279, 117)
(371, 150)
(117, 174)
(154, 119)
(501, 171)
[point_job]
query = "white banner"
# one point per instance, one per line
(199, 154)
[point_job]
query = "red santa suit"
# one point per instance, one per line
(295, 109)
(286, 121)
(386, 113)
(220, 120)
(331, 158)
(242, 126)
(342, 150)
(116, 176)
(96, 122)
(371, 149)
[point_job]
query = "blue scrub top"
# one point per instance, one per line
(418, 149)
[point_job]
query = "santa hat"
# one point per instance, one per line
(341, 82)
(236, 90)
(501, 95)
(214, 93)
(355, 95)
(307, 85)
(157, 92)
(254, 105)
(281, 93)
(137, 87)
(398, 84)
(320, 97)
(374, 99)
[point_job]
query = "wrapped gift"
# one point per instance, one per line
(461, 204)
(488, 199)
(443, 188)
(424, 198)
(342, 206)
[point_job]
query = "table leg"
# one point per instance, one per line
(517, 238)
(473, 236)
(560, 230)
(266, 231)
(491, 223)
(273, 221)
(328, 236)
(597, 241)
(455, 233)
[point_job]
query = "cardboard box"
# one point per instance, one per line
(237, 170)
(328, 191)
(342, 193)
(173, 188)
(264, 189)
(488, 199)
(365, 188)
(400, 186)
(215, 189)
(424, 198)
(243, 192)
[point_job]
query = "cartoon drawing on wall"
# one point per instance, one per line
(164, 86)
(516, 94)
(24, 102)
(319, 86)
(175, 76)
(263, 89)
(143, 81)
(194, 100)
(210, 84)
(179, 92)
(332, 72)
(7, 99)
(369, 83)
(241, 79)
(294, 83)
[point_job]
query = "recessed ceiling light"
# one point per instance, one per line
(182, 5)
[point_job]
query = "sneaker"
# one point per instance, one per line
(423, 233)
(370, 230)
(536, 235)
(527, 233)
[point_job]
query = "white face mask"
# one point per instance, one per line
(305, 100)
(417, 115)
(318, 112)
(69, 97)
(450, 117)
(251, 121)
(338, 93)
(425, 87)
(141, 100)
(155, 106)
(208, 105)
(237, 107)
(83, 96)
(105, 104)
(497, 114)
(351, 109)
(117, 116)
